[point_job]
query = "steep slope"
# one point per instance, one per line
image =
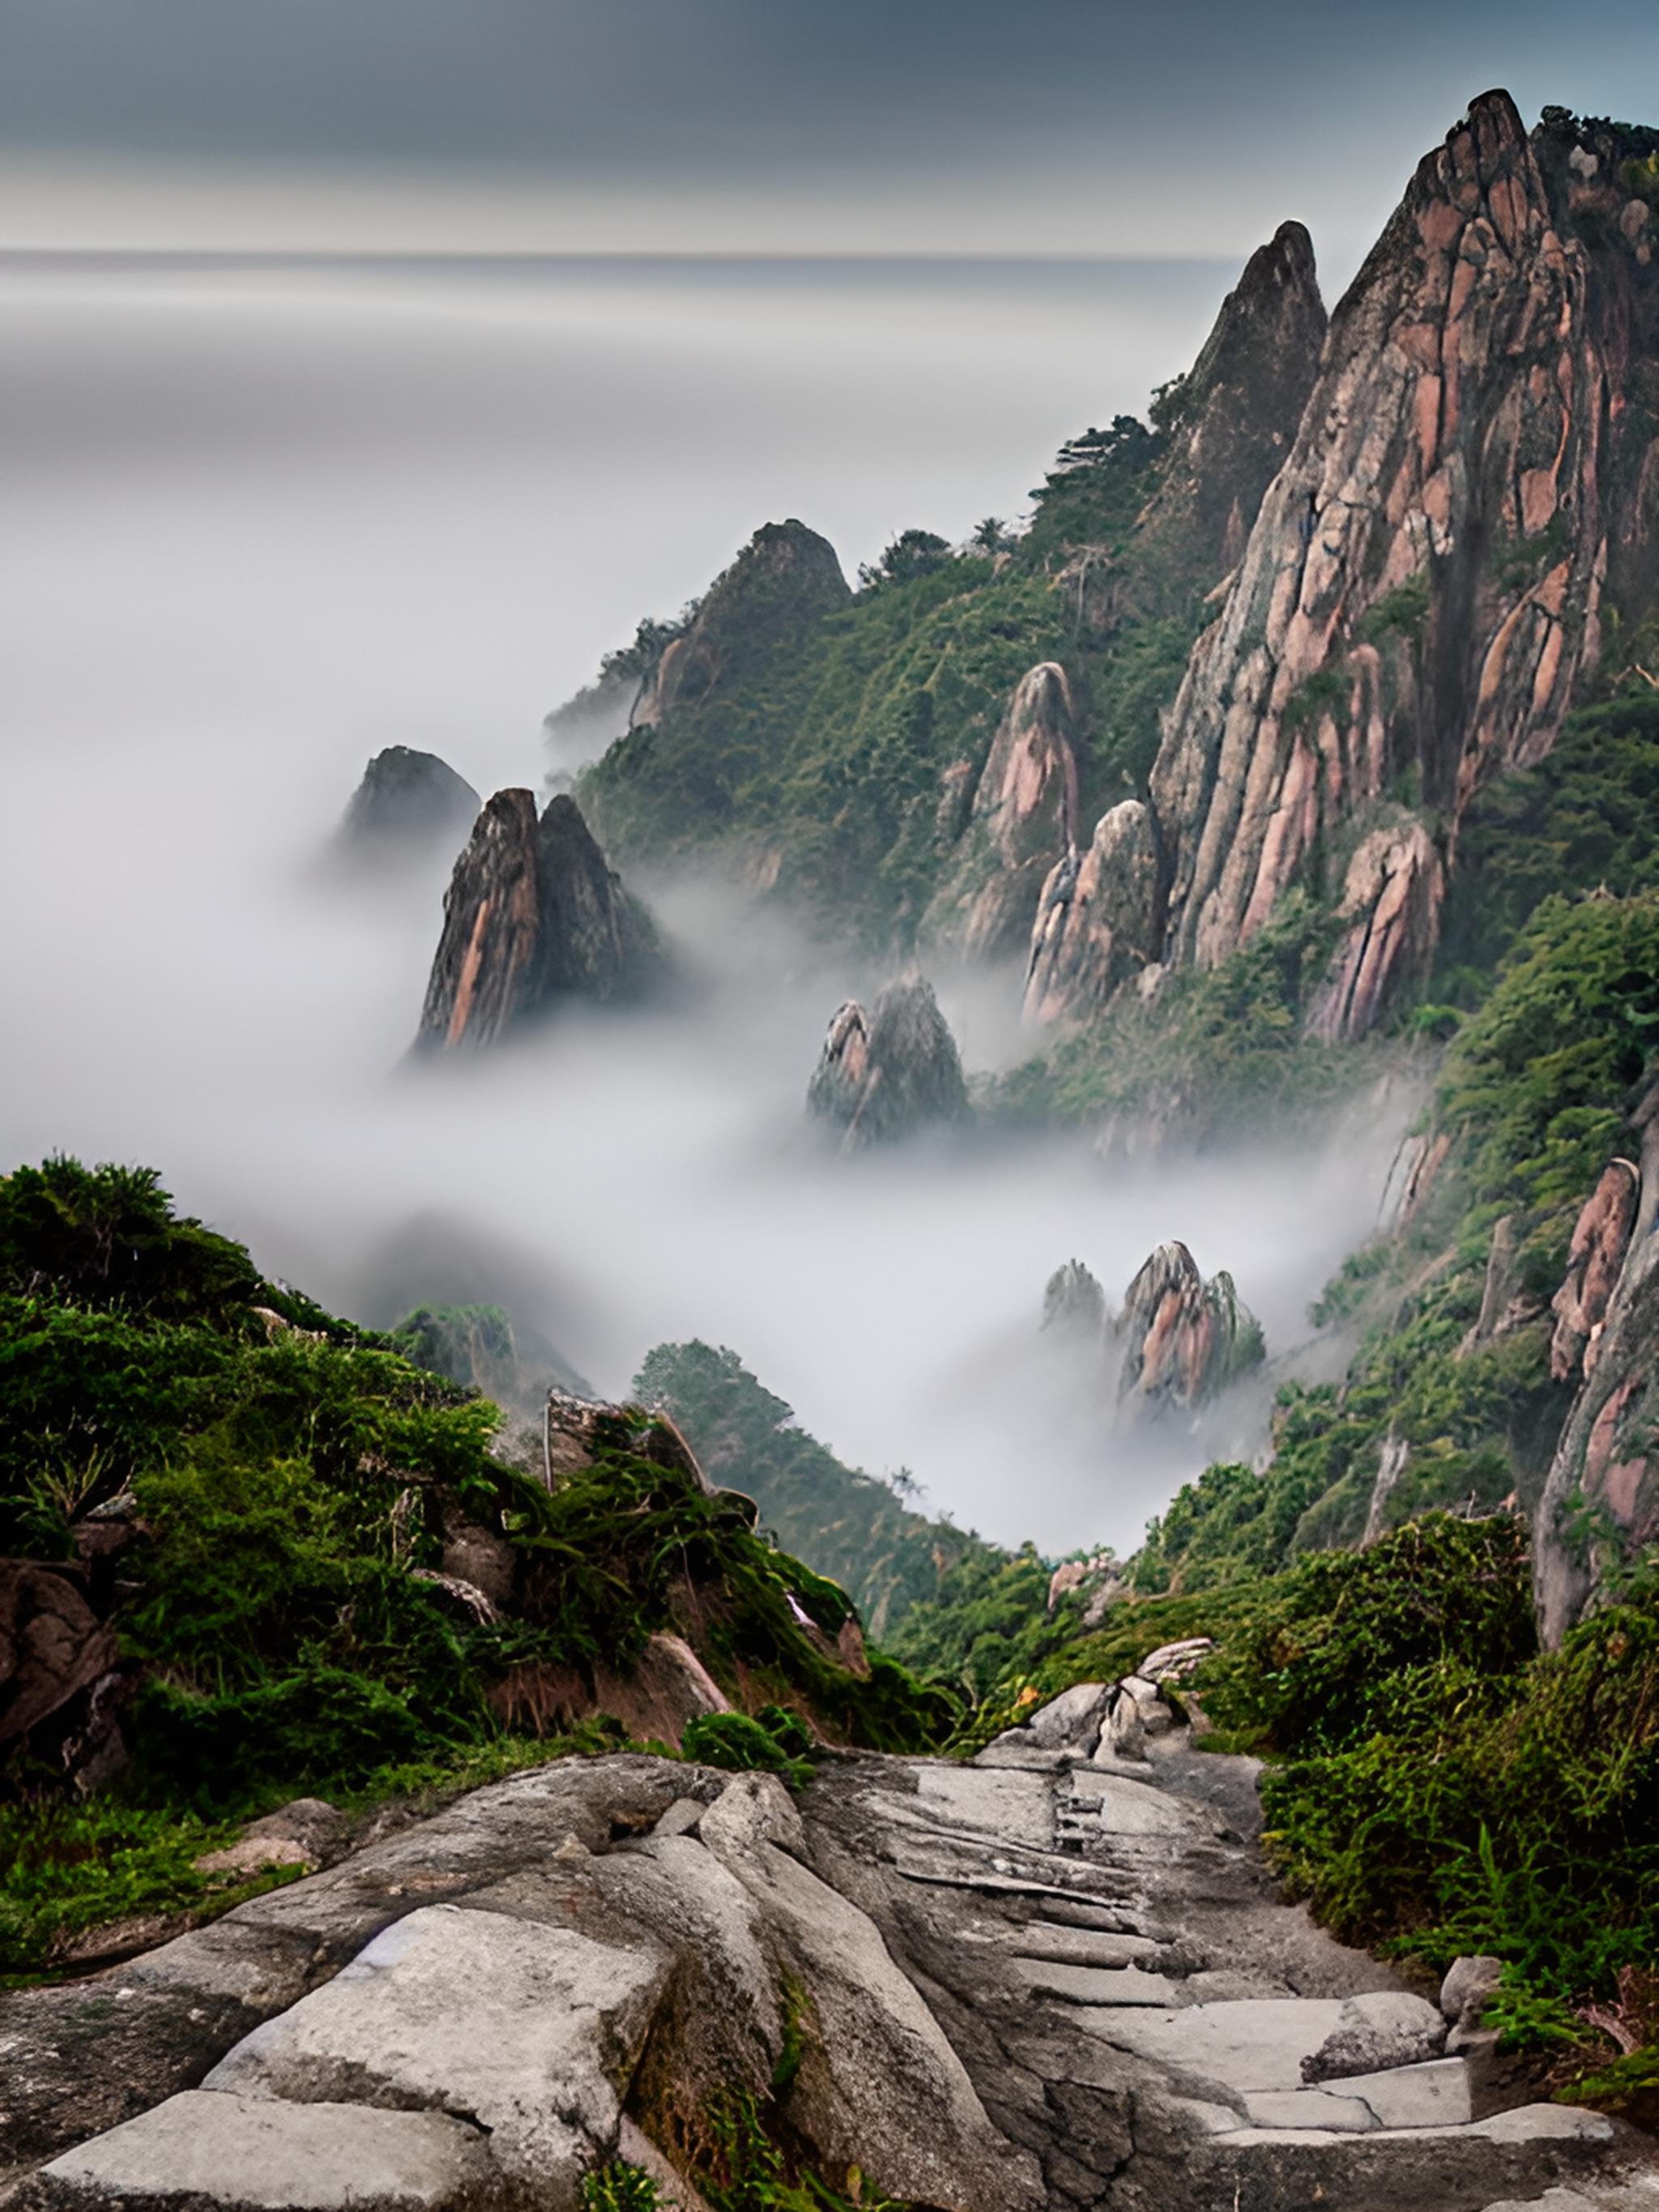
(1427, 577)
(533, 915)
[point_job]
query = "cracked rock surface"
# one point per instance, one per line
(1046, 1979)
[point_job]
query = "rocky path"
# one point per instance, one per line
(1047, 1978)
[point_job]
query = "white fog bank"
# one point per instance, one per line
(258, 530)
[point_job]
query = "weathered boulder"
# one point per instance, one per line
(408, 804)
(533, 915)
(891, 1072)
(1023, 821)
(1098, 921)
(1423, 581)
(1381, 2029)
(1071, 1721)
(1073, 1304)
(1182, 1339)
(1600, 1239)
(1466, 1985)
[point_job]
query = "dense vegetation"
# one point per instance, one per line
(258, 1498)
(853, 1527)
(827, 738)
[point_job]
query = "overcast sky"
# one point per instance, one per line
(1063, 126)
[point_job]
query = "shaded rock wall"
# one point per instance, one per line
(532, 914)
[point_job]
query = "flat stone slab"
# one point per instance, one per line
(1097, 1985)
(1124, 1807)
(1022, 1758)
(252, 2154)
(1014, 1806)
(1435, 2094)
(513, 2022)
(1251, 2043)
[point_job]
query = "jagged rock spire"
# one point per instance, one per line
(532, 914)
(888, 1072)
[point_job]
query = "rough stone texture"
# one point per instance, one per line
(1606, 1455)
(1424, 577)
(1008, 1986)
(1601, 1237)
(1183, 1340)
(1073, 1718)
(532, 914)
(203, 2148)
(408, 804)
(890, 1072)
(1098, 919)
(1385, 2027)
(1466, 1985)
(1239, 407)
(1391, 901)
(527, 2031)
(1024, 818)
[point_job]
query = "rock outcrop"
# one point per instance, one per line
(1183, 1340)
(1097, 923)
(1049, 1977)
(409, 804)
(1600, 1239)
(1235, 415)
(785, 579)
(1074, 1303)
(890, 1073)
(533, 915)
(1023, 821)
(1426, 577)
(1600, 1502)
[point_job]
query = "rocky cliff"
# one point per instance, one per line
(533, 915)
(889, 1073)
(1427, 576)
(1024, 816)
(409, 803)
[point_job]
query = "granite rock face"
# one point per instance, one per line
(1427, 575)
(1182, 1339)
(1237, 414)
(1600, 1239)
(887, 1073)
(533, 915)
(408, 804)
(1023, 821)
(1074, 1303)
(1098, 921)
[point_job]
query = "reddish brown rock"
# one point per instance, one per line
(532, 914)
(1599, 1240)
(1424, 581)
(1096, 926)
(1391, 901)
(1182, 1339)
(1023, 819)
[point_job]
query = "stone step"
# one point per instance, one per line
(1433, 2094)
(211, 2148)
(1097, 1985)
